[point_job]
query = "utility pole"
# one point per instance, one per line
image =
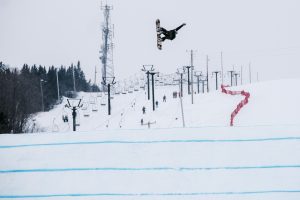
(148, 69)
(109, 81)
(203, 84)
(188, 68)
(57, 83)
(236, 74)
(180, 97)
(42, 93)
(153, 81)
(95, 78)
(192, 74)
(231, 76)
(73, 79)
(207, 87)
(148, 84)
(216, 73)
(241, 74)
(198, 74)
(74, 114)
(222, 72)
(181, 71)
(181, 87)
(250, 72)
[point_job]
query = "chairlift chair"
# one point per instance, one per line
(86, 112)
(103, 102)
(64, 115)
(94, 108)
(130, 90)
(92, 100)
(85, 106)
(55, 127)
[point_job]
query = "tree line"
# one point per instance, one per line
(34, 88)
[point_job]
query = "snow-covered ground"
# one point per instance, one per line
(271, 103)
(116, 157)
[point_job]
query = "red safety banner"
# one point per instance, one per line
(240, 105)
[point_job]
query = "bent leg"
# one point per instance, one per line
(163, 31)
(163, 38)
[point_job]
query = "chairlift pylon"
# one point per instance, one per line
(85, 106)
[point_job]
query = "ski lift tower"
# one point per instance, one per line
(106, 51)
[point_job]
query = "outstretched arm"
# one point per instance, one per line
(179, 27)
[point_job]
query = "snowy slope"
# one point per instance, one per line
(255, 159)
(270, 103)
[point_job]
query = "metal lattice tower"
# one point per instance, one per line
(106, 51)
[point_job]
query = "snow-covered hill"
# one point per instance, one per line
(116, 158)
(270, 103)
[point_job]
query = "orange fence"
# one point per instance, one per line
(240, 105)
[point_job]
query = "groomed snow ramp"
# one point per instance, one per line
(188, 164)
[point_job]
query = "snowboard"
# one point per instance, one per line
(158, 32)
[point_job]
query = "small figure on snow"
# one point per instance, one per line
(144, 110)
(142, 121)
(175, 95)
(65, 118)
(164, 98)
(156, 103)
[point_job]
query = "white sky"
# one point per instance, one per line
(55, 32)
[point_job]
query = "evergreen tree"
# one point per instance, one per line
(20, 92)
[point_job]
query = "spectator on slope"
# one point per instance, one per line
(144, 110)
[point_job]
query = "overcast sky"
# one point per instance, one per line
(60, 32)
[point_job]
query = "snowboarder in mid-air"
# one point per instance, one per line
(170, 35)
(163, 34)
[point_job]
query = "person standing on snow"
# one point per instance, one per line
(144, 110)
